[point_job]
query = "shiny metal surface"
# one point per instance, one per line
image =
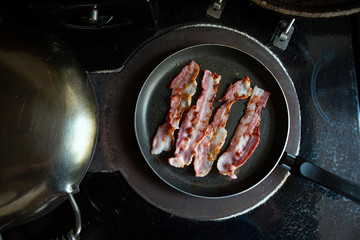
(74, 234)
(48, 125)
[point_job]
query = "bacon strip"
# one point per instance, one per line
(246, 136)
(195, 121)
(215, 134)
(183, 88)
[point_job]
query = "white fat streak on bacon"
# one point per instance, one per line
(195, 121)
(215, 134)
(246, 136)
(183, 88)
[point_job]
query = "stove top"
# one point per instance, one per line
(322, 60)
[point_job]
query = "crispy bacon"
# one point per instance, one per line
(246, 136)
(183, 88)
(215, 134)
(195, 121)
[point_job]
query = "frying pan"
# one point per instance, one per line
(232, 64)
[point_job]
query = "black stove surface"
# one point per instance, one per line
(321, 59)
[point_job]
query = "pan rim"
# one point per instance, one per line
(283, 97)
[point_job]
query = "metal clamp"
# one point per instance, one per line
(216, 8)
(95, 19)
(283, 34)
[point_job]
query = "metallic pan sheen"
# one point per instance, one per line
(48, 125)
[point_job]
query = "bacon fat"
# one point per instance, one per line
(246, 136)
(215, 133)
(183, 88)
(195, 121)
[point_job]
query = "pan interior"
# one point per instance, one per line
(232, 64)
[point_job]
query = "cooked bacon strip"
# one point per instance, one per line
(183, 88)
(195, 121)
(215, 134)
(246, 136)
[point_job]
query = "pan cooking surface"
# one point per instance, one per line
(232, 64)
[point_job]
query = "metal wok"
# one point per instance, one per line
(232, 64)
(48, 126)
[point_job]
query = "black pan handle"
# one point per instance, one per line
(302, 168)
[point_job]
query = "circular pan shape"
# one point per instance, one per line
(232, 64)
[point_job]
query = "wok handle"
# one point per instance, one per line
(74, 234)
(300, 167)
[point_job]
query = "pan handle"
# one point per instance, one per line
(300, 167)
(74, 234)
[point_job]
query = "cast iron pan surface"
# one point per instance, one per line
(154, 102)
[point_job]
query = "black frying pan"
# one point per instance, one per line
(232, 64)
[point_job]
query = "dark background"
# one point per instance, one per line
(323, 61)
